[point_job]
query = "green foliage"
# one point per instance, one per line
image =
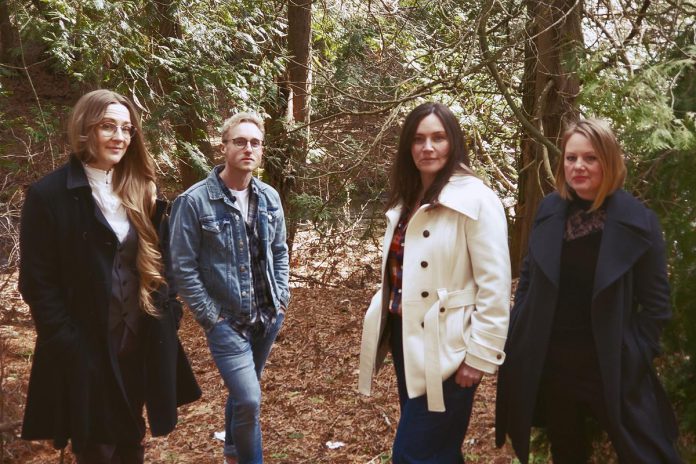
(186, 62)
(197, 159)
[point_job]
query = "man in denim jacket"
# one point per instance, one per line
(230, 262)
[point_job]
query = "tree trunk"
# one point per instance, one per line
(287, 151)
(8, 35)
(284, 157)
(549, 89)
(299, 45)
(189, 128)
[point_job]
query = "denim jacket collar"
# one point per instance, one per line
(214, 185)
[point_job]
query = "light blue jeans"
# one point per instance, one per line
(240, 363)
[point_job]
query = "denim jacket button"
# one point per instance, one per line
(244, 293)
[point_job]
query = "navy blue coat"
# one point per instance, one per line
(630, 305)
(66, 257)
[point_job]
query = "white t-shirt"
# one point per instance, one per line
(108, 202)
(242, 200)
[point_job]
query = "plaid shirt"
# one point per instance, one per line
(395, 264)
(263, 312)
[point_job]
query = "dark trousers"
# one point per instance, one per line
(571, 395)
(425, 437)
(112, 454)
(128, 349)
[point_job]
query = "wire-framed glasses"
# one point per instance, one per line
(109, 129)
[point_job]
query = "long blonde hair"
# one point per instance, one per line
(134, 183)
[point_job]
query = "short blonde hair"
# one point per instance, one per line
(237, 119)
(608, 151)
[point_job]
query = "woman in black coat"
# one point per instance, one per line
(96, 278)
(592, 299)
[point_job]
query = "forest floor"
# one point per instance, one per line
(310, 395)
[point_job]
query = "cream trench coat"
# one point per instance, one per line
(455, 291)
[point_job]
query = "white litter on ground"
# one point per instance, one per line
(334, 444)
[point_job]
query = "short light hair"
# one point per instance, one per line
(237, 119)
(608, 151)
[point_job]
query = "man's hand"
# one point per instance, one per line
(467, 376)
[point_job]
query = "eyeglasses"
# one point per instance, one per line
(109, 129)
(241, 142)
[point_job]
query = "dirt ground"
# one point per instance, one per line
(309, 387)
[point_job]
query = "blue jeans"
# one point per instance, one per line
(240, 363)
(426, 437)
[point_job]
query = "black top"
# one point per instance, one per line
(572, 322)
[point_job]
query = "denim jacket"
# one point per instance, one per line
(210, 254)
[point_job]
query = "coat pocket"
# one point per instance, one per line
(455, 326)
(458, 327)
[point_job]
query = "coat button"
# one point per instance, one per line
(499, 356)
(442, 309)
(425, 294)
(424, 264)
(422, 324)
(426, 233)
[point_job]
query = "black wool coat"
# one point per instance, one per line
(75, 389)
(630, 304)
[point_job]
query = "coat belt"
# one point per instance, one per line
(433, 371)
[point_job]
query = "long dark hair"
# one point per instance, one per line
(405, 182)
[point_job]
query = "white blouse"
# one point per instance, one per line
(108, 202)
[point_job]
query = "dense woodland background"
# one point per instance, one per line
(334, 80)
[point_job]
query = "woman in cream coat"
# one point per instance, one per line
(443, 305)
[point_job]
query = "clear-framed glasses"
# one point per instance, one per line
(109, 129)
(241, 142)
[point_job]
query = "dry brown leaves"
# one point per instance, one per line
(310, 394)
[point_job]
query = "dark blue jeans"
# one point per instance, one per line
(425, 437)
(240, 363)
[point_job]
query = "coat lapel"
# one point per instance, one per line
(393, 216)
(546, 243)
(624, 240)
(77, 180)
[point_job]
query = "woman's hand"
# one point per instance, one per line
(467, 376)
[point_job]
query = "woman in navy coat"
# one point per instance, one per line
(96, 278)
(592, 300)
